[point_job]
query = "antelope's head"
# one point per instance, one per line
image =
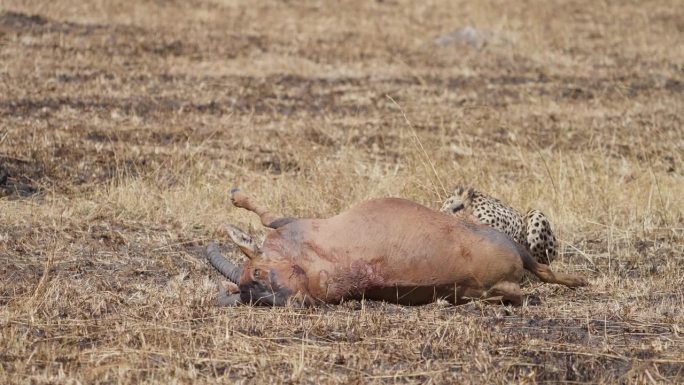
(262, 280)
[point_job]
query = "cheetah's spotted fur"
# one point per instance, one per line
(532, 231)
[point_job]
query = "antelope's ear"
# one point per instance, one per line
(243, 240)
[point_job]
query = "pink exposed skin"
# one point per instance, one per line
(386, 249)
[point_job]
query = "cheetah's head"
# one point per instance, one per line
(458, 200)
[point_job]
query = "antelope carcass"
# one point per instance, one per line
(385, 249)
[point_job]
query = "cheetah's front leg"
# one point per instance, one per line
(539, 237)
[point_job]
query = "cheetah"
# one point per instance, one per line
(532, 231)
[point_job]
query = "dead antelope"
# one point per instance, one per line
(386, 249)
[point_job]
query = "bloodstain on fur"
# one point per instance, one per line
(353, 281)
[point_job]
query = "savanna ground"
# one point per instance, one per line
(124, 124)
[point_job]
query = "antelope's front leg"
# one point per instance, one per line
(268, 218)
(225, 299)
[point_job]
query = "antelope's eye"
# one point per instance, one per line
(258, 274)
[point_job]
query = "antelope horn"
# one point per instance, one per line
(224, 266)
(225, 299)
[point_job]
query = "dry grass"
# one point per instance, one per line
(123, 124)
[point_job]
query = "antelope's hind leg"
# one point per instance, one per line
(505, 292)
(268, 218)
(502, 293)
(547, 275)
